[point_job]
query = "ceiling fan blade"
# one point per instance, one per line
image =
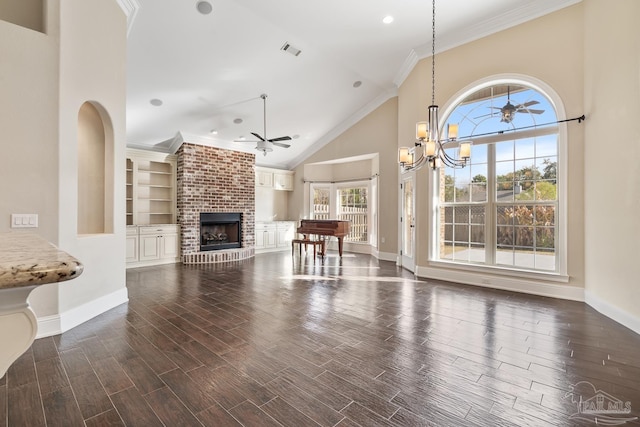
(484, 115)
(282, 138)
(280, 144)
(526, 110)
(257, 136)
(528, 104)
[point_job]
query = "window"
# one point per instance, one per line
(352, 207)
(348, 201)
(321, 196)
(502, 209)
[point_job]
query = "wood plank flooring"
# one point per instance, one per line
(276, 341)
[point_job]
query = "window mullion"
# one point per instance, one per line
(490, 209)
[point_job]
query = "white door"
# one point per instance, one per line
(408, 226)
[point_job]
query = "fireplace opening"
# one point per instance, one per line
(220, 230)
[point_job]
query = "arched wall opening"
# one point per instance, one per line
(95, 170)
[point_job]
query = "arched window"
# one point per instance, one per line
(503, 210)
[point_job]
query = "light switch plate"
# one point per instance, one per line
(24, 220)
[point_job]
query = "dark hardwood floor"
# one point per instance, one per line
(357, 342)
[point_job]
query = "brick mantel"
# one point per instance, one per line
(212, 179)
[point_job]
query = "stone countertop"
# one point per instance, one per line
(28, 260)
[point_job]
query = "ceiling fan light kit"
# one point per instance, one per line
(265, 144)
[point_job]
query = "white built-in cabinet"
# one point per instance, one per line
(152, 245)
(274, 235)
(274, 178)
(151, 188)
(152, 232)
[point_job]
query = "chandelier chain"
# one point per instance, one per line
(433, 53)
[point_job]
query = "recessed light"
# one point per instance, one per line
(156, 102)
(387, 19)
(241, 138)
(237, 121)
(357, 84)
(214, 132)
(204, 7)
(296, 136)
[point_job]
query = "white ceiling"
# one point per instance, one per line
(211, 69)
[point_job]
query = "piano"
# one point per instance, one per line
(325, 227)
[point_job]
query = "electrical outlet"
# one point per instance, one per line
(24, 220)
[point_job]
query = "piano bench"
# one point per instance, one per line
(306, 242)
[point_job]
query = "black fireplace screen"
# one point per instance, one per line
(220, 230)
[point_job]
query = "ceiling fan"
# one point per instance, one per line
(263, 143)
(509, 111)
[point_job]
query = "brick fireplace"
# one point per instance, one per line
(214, 180)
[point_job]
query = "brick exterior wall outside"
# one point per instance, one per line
(212, 179)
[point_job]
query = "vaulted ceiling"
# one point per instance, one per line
(208, 70)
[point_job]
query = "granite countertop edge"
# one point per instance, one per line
(27, 259)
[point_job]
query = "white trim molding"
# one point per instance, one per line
(59, 323)
(611, 311)
(130, 9)
(573, 293)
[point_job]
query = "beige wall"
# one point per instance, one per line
(44, 80)
(29, 74)
(612, 154)
(548, 49)
(26, 13)
(375, 134)
(91, 173)
(272, 205)
(93, 68)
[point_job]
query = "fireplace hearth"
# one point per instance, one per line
(220, 230)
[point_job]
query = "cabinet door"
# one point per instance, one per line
(169, 246)
(270, 238)
(282, 181)
(264, 179)
(260, 239)
(149, 247)
(132, 248)
(284, 237)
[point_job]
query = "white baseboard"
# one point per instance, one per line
(527, 286)
(386, 256)
(59, 323)
(611, 311)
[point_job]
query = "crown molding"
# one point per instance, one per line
(527, 12)
(130, 9)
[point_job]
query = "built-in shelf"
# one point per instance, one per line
(150, 188)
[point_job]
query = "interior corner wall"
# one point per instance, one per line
(29, 121)
(375, 133)
(93, 51)
(549, 49)
(612, 157)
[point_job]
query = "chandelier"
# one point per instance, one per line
(429, 148)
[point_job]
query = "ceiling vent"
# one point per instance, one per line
(292, 50)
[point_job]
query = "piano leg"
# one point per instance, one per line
(340, 246)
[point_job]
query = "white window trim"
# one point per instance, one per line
(334, 205)
(562, 220)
